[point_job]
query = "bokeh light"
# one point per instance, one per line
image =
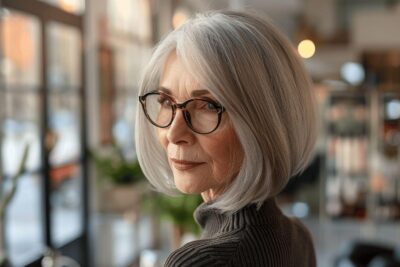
(306, 48)
(353, 73)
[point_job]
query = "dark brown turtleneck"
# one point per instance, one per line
(247, 238)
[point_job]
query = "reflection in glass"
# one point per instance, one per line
(66, 203)
(64, 122)
(65, 173)
(20, 127)
(19, 61)
(71, 6)
(64, 60)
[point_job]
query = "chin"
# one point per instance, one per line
(187, 188)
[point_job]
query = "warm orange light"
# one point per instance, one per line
(306, 48)
(68, 6)
(18, 40)
(178, 19)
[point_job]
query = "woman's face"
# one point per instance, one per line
(201, 163)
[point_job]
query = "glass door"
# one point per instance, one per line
(20, 124)
(42, 105)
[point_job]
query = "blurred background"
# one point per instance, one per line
(69, 72)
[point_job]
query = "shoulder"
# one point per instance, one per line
(284, 243)
(206, 252)
(304, 237)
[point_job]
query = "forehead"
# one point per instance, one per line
(176, 79)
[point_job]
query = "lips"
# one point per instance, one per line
(184, 165)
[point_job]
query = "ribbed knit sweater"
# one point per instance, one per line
(247, 238)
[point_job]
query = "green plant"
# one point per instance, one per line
(112, 166)
(177, 209)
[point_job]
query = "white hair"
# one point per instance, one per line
(255, 73)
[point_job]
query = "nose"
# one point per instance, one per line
(179, 132)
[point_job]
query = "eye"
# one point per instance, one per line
(211, 106)
(208, 106)
(164, 101)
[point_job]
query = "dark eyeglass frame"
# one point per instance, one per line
(182, 106)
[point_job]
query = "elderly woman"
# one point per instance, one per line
(228, 112)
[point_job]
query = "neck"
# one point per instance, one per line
(209, 195)
(214, 222)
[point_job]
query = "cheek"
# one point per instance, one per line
(161, 136)
(226, 155)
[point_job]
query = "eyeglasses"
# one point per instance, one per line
(202, 115)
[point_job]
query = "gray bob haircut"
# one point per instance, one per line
(255, 73)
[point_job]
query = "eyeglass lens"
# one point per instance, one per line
(201, 115)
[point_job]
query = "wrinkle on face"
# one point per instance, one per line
(214, 150)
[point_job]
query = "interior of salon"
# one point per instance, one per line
(72, 192)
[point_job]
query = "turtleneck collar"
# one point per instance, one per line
(214, 222)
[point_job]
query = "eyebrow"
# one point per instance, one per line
(194, 93)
